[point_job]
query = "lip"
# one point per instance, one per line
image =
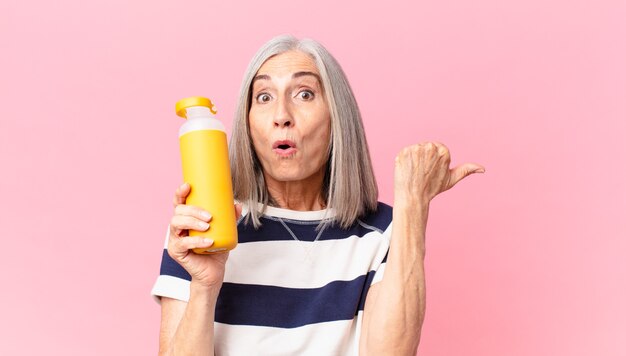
(284, 152)
(283, 142)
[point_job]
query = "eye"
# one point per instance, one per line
(306, 95)
(263, 98)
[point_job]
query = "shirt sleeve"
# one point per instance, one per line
(380, 271)
(173, 280)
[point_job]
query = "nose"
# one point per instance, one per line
(283, 116)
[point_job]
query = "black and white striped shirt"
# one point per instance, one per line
(289, 289)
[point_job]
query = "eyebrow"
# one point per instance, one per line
(294, 76)
(302, 74)
(261, 77)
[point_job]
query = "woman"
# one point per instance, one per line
(318, 269)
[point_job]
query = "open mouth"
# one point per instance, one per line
(284, 147)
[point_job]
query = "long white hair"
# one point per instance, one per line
(349, 186)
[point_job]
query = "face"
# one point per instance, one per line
(289, 118)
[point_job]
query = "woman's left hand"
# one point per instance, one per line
(422, 171)
(394, 308)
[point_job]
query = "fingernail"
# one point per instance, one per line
(205, 215)
(207, 241)
(203, 225)
(480, 170)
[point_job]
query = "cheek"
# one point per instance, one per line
(325, 126)
(256, 129)
(318, 124)
(323, 134)
(257, 137)
(322, 141)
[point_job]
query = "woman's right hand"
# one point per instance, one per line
(207, 270)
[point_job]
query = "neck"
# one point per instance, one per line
(302, 195)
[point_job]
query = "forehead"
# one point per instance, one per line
(288, 63)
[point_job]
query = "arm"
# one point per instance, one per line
(395, 307)
(187, 328)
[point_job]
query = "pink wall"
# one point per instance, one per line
(524, 260)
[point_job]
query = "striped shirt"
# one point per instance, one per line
(292, 289)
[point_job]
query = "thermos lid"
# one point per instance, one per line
(193, 101)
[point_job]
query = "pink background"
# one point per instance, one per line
(526, 259)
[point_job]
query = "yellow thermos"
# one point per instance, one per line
(204, 155)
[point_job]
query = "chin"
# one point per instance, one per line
(291, 171)
(287, 177)
(287, 170)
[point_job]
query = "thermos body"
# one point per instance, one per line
(206, 167)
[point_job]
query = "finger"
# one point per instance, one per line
(190, 210)
(176, 232)
(180, 196)
(238, 210)
(443, 155)
(193, 242)
(182, 222)
(442, 150)
(459, 172)
(182, 246)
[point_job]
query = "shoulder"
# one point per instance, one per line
(379, 219)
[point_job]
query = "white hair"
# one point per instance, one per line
(349, 185)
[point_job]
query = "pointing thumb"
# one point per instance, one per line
(461, 171)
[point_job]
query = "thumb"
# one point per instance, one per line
(180, 197)
(461, 171)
